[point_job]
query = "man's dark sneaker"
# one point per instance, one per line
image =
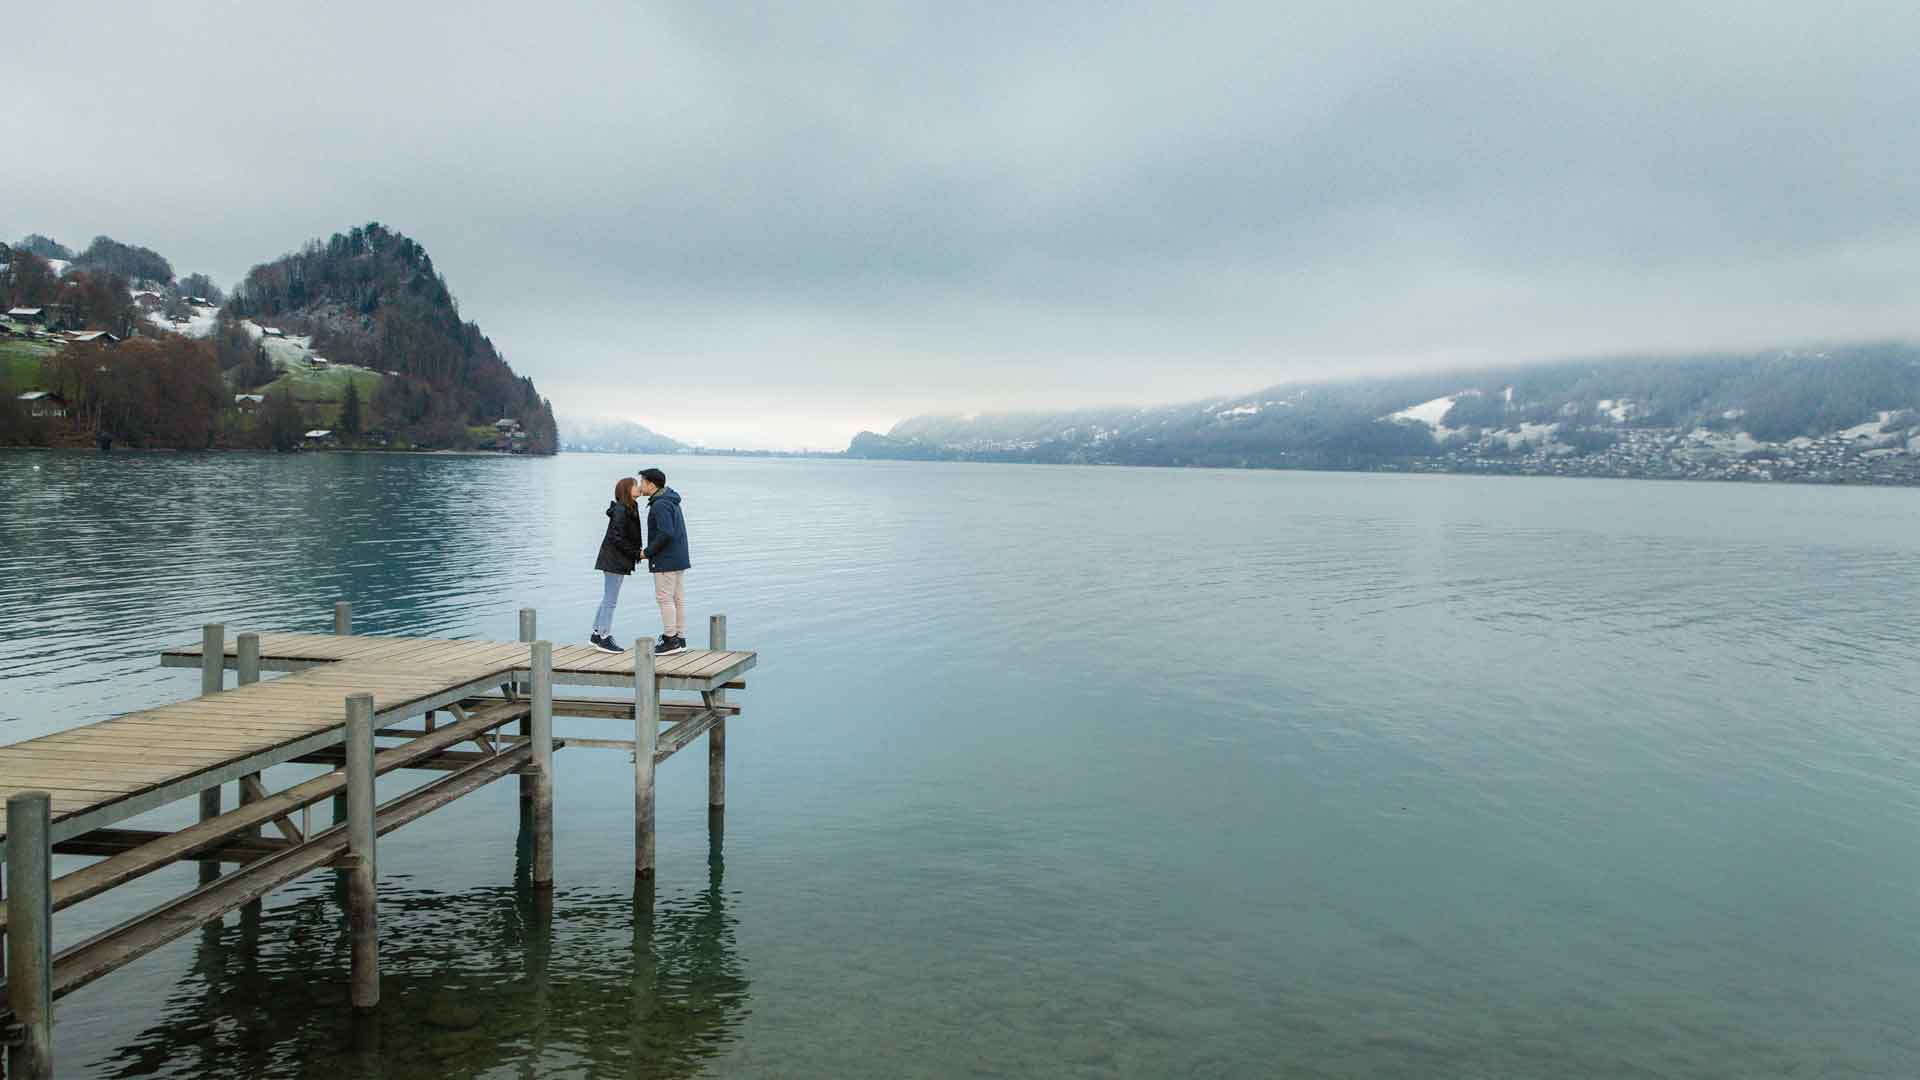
(682, 641)
(667, 646)
(605, 643)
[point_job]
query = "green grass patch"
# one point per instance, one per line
(20, 363)
(321, 390)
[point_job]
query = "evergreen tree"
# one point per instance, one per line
(282, 420)
(349, 423)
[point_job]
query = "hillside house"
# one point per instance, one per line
(28, 314)
(319, 437)
(506, 425)
(44, 403)
(199, 301)
(147, 301)
(272, 331)
(249, 401)
(92, 337)
(319, 361)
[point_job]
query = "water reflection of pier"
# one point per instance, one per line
(498, 980)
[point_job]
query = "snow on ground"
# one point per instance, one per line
(1620, 410)
(1527, 434)
(285, 352)
(1738, 442)
(200, 321)
(1429, 413)
(59, 266)
(1868, 430)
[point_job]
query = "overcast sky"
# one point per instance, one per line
(779, 224)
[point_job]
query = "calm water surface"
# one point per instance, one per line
(1062, 772)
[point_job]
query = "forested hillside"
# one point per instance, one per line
(358, 335)
(1848, 412)
(371, 297)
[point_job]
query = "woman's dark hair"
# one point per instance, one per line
(655, 477)
(623, 491)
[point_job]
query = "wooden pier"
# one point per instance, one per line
(68, 792)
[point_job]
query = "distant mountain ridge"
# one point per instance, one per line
(1561, 413)
(613, 437)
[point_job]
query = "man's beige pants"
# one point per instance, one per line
(669, 589)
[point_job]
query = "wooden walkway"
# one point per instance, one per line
(573, 665)
(107, 772)
(64, 791)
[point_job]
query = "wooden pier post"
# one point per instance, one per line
(363, 918)
(29, 934)
(646, 737)
(717, 735)
(529, 629)
(342, 626)
(541, 718)
(213, 679)
(247, 650)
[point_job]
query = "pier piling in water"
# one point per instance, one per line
(646, 738)
(247, 658)
(30, 934)
(342, 627)
(529, 630)
(213, 679)
(717, 734)
(363, 916)
(540, 692)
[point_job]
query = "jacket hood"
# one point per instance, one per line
(666, 493)
(613, 507)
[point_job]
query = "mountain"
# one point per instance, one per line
(614, 437)
(357, 333)
(1696, 415)
(371, 298)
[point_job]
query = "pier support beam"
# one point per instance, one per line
(363, 919)
(646, 736)
(29, 934)
(717, 735)
(213, 679)
(541, 722)
(529, 629)
(247, 649)
(342, 626)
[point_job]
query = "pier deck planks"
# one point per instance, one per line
(108, 771)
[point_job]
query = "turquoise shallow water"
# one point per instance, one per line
(1063, 772)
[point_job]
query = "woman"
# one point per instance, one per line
(622, 547)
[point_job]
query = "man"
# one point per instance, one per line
(666, 556)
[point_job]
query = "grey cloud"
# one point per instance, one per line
(811, 212)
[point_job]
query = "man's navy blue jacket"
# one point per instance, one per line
(666, 533)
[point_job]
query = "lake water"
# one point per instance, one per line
(1061, 772)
